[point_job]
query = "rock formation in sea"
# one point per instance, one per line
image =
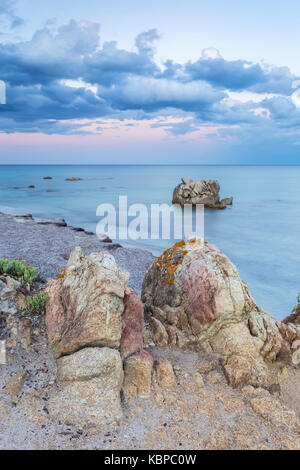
(200, 192)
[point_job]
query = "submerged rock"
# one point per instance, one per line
(196, 298)
(74, 178)
(200, 192)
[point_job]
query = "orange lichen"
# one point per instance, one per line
(170, 260)
(62, 275)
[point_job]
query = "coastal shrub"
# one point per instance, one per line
(36, 305)
(18, 270)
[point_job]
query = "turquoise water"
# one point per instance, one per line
(260, 232)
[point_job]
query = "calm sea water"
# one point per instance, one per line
(260, 232)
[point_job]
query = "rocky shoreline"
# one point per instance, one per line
(48, 244)
(141, 353)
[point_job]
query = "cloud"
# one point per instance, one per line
(7, 13)
(144, 41)
(66, 73)
(151, 94)
(112, 65)
(177, 128)
(49, 56)
(233, 75)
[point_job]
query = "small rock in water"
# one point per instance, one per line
(58, 223)
(104, 238)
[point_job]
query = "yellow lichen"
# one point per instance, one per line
(173, 257)
(170, 260)
(62, 275)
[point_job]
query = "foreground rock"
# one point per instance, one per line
(11, 297)
(125, 397)
(86, 303)
(91, 381)
(196, 299)
(93, 321)
(200, 192)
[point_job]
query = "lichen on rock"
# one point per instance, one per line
(196, 299)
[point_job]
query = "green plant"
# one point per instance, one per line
(36, 305)
(18, 270)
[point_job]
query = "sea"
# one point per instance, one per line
(260, 232)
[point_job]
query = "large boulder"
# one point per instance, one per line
(204, 192)
(195, 297)
(90, 363)
(94, 322)
(86, 303)
(90, 384)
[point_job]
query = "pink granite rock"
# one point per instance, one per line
(194, 285)
(132, 324)
(196, 298)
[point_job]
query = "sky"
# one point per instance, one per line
(125, 81)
